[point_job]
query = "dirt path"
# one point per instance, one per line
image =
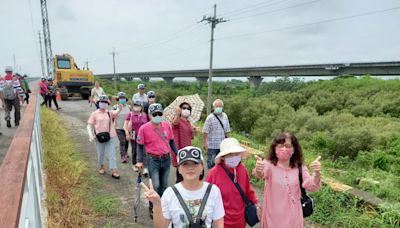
(75, 114)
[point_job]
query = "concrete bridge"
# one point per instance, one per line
(256, 74)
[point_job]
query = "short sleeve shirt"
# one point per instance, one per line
(215, 131)
(96, 93)
(172, 209)
(143, 97)
(120, 120)
(101, 122)
(156, 140)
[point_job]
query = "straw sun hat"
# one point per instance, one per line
(229, 146)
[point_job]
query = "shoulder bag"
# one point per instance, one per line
(196, 222)
(250, 209)
(219, 120)
(307, 203)
(104, 137)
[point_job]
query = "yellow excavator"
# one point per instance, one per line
(70, 79)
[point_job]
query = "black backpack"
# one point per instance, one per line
(197, 223)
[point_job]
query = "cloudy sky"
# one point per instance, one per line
(151, 35)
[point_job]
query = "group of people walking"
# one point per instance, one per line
(222, 198)
(48, 90)
(14, 91)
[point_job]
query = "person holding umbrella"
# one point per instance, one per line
(183, 131)
(190, 203)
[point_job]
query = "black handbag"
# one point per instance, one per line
(307, 203)
(104, 137)
(250, 209)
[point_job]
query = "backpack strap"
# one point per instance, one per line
(183, 204)
(185, 208)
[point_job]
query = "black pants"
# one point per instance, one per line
(53, 97)
(45, 99)
(27, 98)
(9, 104)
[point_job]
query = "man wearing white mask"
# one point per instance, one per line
(228, 172)
(157, 139)
(216, 128)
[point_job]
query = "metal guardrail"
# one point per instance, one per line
(21, 176)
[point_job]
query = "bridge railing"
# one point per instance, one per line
(21, 176)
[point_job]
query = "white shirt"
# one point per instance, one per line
(96, 93)
(172, 209)
(140, 97)
(120, 120)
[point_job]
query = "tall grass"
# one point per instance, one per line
(65, 182)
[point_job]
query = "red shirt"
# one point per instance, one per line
(43, 87)
(8, 77)
(183, 135)
(233, 203)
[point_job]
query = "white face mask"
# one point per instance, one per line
(185, 112)
(232, 162)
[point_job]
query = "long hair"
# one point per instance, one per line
(297, 156)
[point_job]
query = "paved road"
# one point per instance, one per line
(8, 133)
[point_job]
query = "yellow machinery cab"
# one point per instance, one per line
(70, 79)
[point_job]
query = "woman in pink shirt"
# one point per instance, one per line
(100, 121)
(282, 207)
(133, 122)
(183, 132)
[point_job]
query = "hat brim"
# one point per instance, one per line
(97, 102)
(233, 149)
(190, 159)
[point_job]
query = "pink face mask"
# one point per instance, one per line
(284, 153)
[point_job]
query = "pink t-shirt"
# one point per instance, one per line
(137, 120)
(281, 206)
(156, 140)
(101, 122)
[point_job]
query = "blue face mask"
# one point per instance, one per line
(157, 119)
(218, 110)
(122, 101)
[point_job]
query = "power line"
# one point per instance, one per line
(253, 8)
(277, 10)
(311, 23)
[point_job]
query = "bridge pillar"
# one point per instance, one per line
(255, 81)
(145, 79)
(168, 80)
(202, 79)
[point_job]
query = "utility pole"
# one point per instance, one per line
(41, 54)
(46, 37)
(87, 64)
(113, 53)
(15, 63)
(213, 21)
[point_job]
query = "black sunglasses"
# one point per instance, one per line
(157, 114)
(151, 96)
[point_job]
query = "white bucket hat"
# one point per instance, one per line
(229, 146)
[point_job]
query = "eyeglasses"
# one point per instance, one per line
(151, 96)
(284, 145)
(157, 114)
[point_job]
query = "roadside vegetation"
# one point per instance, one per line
(353, 123)
(72, 197)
